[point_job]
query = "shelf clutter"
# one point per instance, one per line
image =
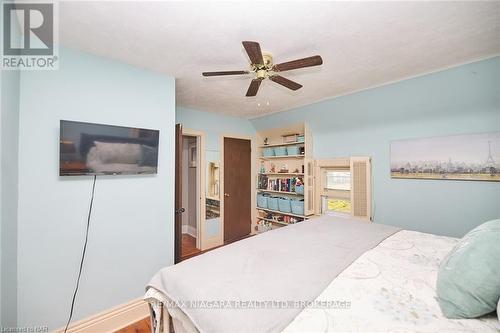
(267, 218)
(285, 179)
(291, 185)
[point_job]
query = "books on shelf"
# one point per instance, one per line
(279, 184)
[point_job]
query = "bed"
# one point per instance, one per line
(328, 274)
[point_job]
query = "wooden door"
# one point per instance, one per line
(178, 209)
(237, 189)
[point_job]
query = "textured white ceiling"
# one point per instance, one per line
(363, 44)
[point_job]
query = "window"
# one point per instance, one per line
(336, 191)
(343, 186)
(338, 180)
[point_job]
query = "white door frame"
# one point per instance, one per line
(200, 184)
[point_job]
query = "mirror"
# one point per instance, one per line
(192, 155)
(213, 185)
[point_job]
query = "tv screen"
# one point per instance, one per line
(96, 149)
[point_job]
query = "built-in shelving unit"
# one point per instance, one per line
(294, 167)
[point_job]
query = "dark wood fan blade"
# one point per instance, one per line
(254, 87)
(285, 82)
(224, 73)
(254, 52)
(299, 63)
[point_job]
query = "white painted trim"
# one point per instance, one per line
(409, 77)
(111, 320)
(213, 242)
(200, 187)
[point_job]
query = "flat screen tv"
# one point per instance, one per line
(96, 149)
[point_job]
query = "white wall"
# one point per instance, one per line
(131, 234)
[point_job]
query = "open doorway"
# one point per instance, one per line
(190, 242)
(190, 209)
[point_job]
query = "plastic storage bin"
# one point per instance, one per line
(299, 189)
(269, 151)
(280, 151)
(262, 200)
(297, 207)
(272, 203)
(292, 150)
(284, 205)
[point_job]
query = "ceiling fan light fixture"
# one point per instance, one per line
(261, 63)
(261, 73)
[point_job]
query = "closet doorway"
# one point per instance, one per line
(190, 194)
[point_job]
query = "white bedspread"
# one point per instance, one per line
(391, 288)
(260, 284)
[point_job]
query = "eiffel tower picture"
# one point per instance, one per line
(454, 157)
(490, 162)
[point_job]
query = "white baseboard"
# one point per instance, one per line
(111, 320)
(187, 229)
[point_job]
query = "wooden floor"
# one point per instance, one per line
(188, 247)
(143, 326)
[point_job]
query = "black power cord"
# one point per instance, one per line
(83, 256)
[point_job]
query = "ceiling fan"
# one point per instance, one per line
(262, 65)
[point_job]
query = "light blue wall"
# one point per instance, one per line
(131, 233)
(8, 207)
(213, 125)
(9, 131)
(465, 99)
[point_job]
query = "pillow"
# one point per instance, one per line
(468, 282)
